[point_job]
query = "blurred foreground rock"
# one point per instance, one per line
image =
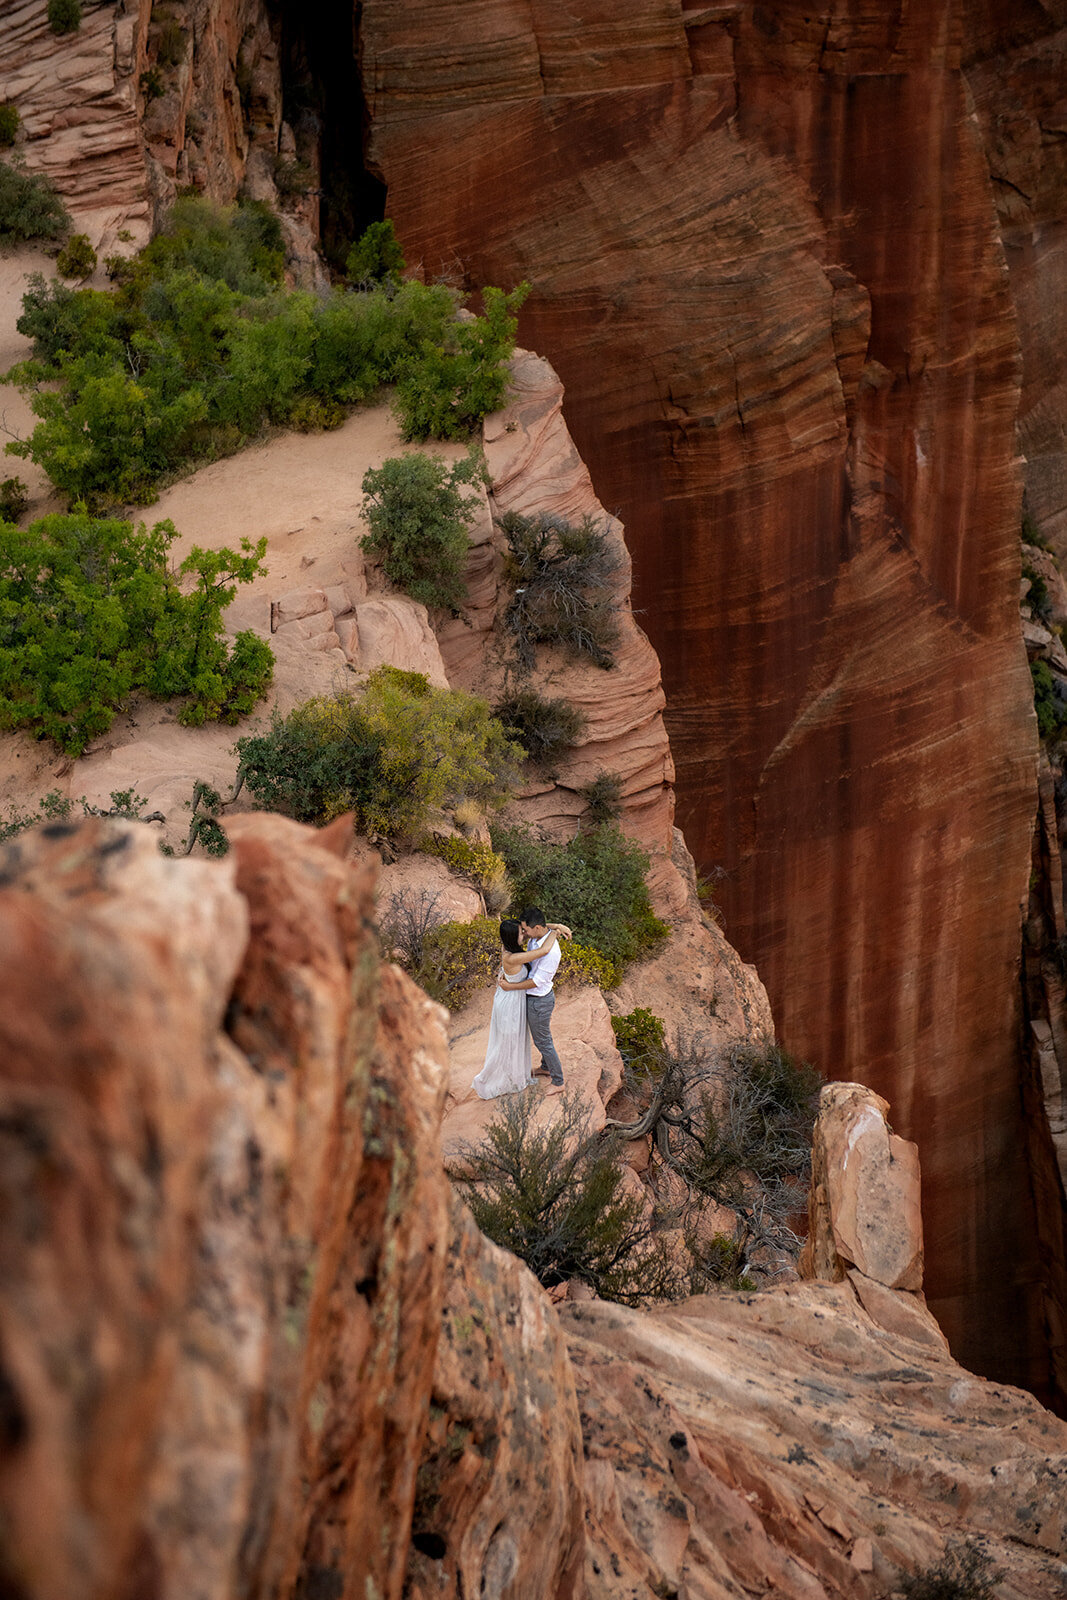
(223, 1221)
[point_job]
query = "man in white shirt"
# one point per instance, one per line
(540, 1000)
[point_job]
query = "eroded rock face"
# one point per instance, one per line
(224, 1221)
(766, 266)
(499, 1508)
(786, 1443)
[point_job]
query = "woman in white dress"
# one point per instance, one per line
(507, 1055)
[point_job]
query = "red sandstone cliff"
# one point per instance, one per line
(766, 265)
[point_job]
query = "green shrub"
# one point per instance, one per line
(595, 883)
(458, 958)
(418, 521)
(717, 1262)
(639, 1037)
(1038, 597)
(446, 389)
(77, 259)
(90, 613)
(376, 257)
(10, 121)
(312, 415)
(53, 807)
(545, 728)
(485, 869)
(965, 1572)
(29, 206)
(151, 84)
(1048, 703)
(64, 16)
(555, 1196)
(14, 500)
(578, 965)
(603, 797)
(292, 177)
(565, 578)
(401, 751)
(199, 344)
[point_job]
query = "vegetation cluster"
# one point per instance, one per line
(199, 347)
(736, 1129)
(595, 883)
(90, 612)
(401, 751)
(418, 518)
(29, 205)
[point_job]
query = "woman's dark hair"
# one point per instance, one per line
(509, 936)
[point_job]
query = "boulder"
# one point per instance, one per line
(865, 1204)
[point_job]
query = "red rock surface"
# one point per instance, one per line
(223, 1221)
(766, 267)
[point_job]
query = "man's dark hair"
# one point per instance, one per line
(534, 917)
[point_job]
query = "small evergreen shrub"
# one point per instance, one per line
(718, 1262)
(580, 965)
(14, 500)
(546, 728)
(555, 1196)
(1038, 597)
(965, 1572)
(418, 520)
(310, 414)
(478, 862)
(90, 613)
(30, 208)
(10, 122)
(564, 578)
(399, 752)
(448, 386)
(376, 258)
(595, 883)
(64, 16)
(1048, 703)
(292, 177)
(603, 798)
(151, 84)
(77, 259)
(639, 1037)
(459, 958)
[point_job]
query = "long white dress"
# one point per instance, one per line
(507, 1055)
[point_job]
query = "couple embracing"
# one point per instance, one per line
(522, 1007)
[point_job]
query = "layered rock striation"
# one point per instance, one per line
(766, 266)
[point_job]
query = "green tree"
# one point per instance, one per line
(418, 520)
(447, 388)
(376, 257)
(64, 16)
(29, 206)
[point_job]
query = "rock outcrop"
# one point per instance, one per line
(766, 266)
(224, 1221)
(250, 1347)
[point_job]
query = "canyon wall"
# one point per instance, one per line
(766, 265)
